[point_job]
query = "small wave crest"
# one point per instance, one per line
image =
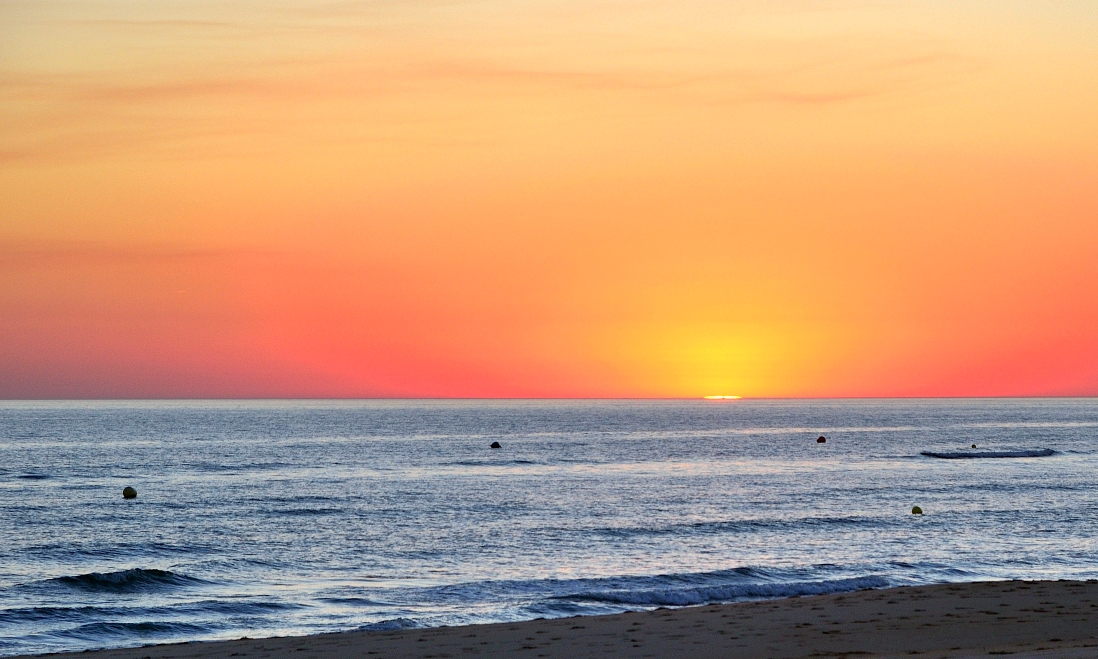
(305, 512)
(493, 463)
(389, 625)
(351, 601)
(726, 593)
(115, 631)
(34, 614)
(972, 455)
(60, 614)
(737, 526)
(134, 580)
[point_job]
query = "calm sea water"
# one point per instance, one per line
(276, 518)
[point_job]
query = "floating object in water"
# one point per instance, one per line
(821, 439)
(722, 397)
(129, 493)
(1030, 453)
(495, 445)
(973, 446)
(916, 511)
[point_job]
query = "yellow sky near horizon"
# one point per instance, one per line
(548, 198)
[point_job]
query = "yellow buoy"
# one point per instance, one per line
(916, 511)
(129, 493)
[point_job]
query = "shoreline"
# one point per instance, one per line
(1040, 619)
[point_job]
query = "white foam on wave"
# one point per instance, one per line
(391, 625)
(729, 592)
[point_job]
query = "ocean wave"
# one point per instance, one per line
(220, 468)
(296, 499)
(389, 625)
(134, 580)
(351, 601)
(232, 607)
(1029, 424)
(673, 589)
(305, 511)
(737, 526)
(22, 615)
(972, 455)
(55, 614)
(100, 631)
(562, 608)
(119, 551)
(727, 593)
(493, 463)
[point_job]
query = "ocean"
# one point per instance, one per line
(264, 518)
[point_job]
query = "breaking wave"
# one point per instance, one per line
(134, 580)
(689, 596)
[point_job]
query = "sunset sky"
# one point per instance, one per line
(511, 198)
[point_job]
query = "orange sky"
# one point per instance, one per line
(504, 198)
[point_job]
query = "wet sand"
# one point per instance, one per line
(1038, 619)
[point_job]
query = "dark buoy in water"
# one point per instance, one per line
(916, 511)
(973, 446)
(496, 445)
(129, 493)
(821, 439)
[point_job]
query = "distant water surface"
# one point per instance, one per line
(274, 518)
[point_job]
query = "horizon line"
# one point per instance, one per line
(541, 398)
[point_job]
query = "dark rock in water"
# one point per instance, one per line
(496, 445)
(129, 493)
(821, 439)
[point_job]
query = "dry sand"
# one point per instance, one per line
(1045, 619)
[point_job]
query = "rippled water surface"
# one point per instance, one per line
(273, 518)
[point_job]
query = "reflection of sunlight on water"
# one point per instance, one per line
(738, 467)
(794, 430)
(1031, 424)
(651, 468)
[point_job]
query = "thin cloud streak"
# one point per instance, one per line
(82, 105)
(158, 23)
(348, 83)
(20, 255)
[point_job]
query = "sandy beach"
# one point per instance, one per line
(1044, 619)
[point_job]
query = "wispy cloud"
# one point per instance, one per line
(157, 23)
(21, 255)
(287, 74)
(330, 78)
